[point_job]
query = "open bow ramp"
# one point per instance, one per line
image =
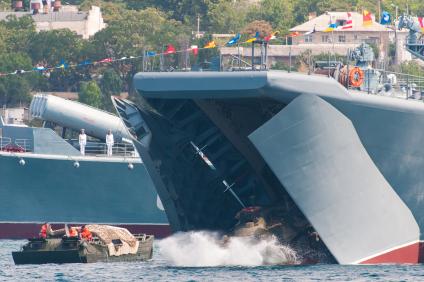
(316, 154)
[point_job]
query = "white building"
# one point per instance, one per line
(85, 24)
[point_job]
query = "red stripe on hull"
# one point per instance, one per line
(407, 254)
(29, 230)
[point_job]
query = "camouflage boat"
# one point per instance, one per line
(76, 250)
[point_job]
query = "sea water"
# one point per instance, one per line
(201, 256)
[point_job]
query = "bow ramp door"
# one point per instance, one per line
(316, 154)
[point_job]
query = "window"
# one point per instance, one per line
(342, 38)
(308, 38)
(325, 38)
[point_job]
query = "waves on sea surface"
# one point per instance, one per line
(169, 257)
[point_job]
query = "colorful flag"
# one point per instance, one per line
(39, 68)
(421, 22)
(385, 18)
(150, 53)
(274, 35)
(366, 18)
(195, 49)
(331, 27)
(294, 34)
(234, 40)
(349, 22)
(170, 49)
(106, 60)
(62, 65)
(84, 63)
(256, 37)
(210, 45)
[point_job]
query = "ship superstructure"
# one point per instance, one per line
(44, 178)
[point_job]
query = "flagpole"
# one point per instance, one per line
(290, 61)
(238, 56)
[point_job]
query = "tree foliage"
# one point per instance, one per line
(90, 94)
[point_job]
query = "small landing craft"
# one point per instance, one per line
(108, 244)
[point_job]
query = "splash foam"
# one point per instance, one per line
(200, 249)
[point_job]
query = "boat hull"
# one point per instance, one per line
(51, 189)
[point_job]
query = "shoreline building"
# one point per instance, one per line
(311, 37)
(83, 23)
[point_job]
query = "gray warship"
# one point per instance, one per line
(44, 177)
(331, 167)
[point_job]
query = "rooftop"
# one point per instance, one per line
(321, 23)
(50, 17)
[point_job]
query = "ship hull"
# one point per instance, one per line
(219, 111)
(49, 188)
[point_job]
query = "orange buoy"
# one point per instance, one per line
(356, 77)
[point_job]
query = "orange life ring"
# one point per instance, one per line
(356, 77)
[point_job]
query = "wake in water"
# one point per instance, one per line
(200, 249)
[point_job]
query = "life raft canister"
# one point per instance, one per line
(356, 77)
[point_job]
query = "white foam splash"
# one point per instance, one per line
(200, 249)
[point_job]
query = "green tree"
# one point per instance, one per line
(412, 68)
(279, 13)
(228, 16)
(15, 89)
(51, 47)
(90, 94)
(16, 33)
(111, 82)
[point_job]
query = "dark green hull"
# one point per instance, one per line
(39, 251)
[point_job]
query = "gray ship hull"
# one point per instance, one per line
(219, 111)
(49, 188)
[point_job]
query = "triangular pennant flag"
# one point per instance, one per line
(234, 40)
(366, 18)
(256, 37)
(195, 49)
(294, 34)
(150, 53)
(170, 49)
(62, 65)
(84, 63)
(106, 60)
(274, 35)
(39, 68)
(210, 44)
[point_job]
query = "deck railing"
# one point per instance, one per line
(393, 84)
(4, 142)
(118, 149)
(96, 149)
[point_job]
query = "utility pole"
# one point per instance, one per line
(198, 26)
(379, 11)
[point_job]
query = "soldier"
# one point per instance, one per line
(82, 141)
(109, 142)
